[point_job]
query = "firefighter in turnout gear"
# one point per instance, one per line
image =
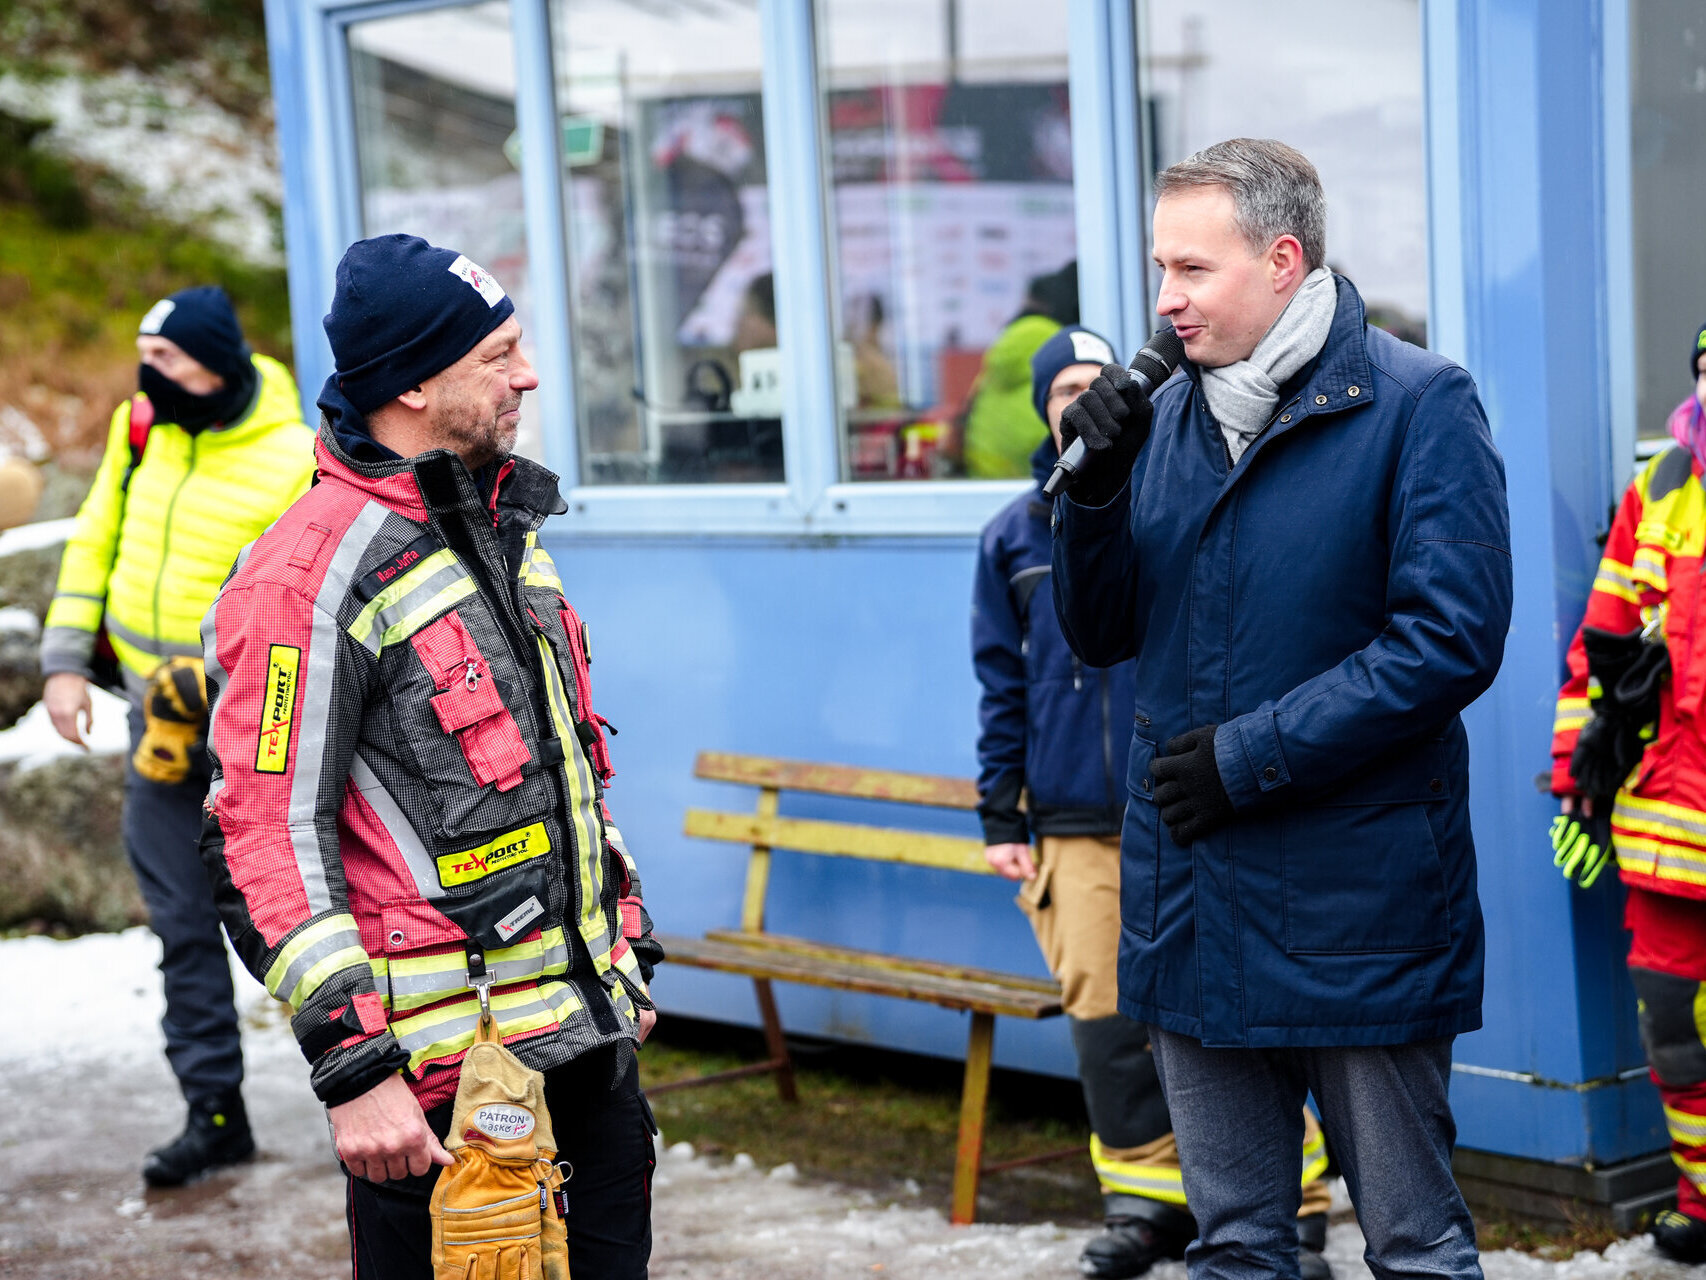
(1629, 762)
(1053, 731)
(408, 826)
(197, 464)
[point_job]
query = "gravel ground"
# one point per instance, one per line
(84, 1092)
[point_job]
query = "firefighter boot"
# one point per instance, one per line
(216, 1133)
(1133, 1242)
(1680, 1237)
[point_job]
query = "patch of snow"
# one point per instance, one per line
(681, 1151)
(743, 1163)
(20, 435)
(14, 617)
(785, 1172)
(30, 537)
(33, 741)
(191, 160)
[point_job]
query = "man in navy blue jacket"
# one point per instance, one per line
(1305, 545)
(1053, 730)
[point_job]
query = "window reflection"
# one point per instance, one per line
(434, 103)
(1340, 80)
(954, 245)
(672, 301)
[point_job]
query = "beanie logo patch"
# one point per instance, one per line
(1089, 349)
(1700, 343)
(479, 279)
(156, 317)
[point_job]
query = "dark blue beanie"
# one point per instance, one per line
(404, 310)
(1069, 346)
(202, 322)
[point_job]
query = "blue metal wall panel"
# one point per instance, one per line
(853, 653)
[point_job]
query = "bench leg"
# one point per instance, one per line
(781, 1063)
(974, 1105)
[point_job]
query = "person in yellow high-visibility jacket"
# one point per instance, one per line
(197, 465)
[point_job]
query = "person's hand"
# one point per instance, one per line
(66, 697)
(384, 1134)
(1188, 788)
(1113, 418)
(648, 1020)
(1011, 860)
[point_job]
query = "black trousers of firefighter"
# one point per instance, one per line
(604, 1129)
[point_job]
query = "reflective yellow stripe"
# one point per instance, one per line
(1119, 1177)
(1649, 568)
(1314, 1155)
(394, 591)
(1686, 1128)
(583, 816)
(537, 567)
(1573, 713)
(442, 1032)
(317, 951)
(418, 618)
(1693, 1170)
(1659, 859)
(1614, 579)
(421, 980)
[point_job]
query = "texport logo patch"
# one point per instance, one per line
(272, 752)
(507, 850)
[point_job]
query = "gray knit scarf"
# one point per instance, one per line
(1243, 396)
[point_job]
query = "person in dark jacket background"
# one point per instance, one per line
(1053, 731)
(1305, 545)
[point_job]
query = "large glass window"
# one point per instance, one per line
(950, 154)
(1667, 78)
(672, 300)
(1340, 80)
(434, 100)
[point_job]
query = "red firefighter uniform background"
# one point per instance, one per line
(1652, 571)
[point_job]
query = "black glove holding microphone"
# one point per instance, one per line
(1113, 418)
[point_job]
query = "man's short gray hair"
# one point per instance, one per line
(1275, 191)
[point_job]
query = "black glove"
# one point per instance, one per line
(1193, 801)
(1113, 418)
(1631, 672)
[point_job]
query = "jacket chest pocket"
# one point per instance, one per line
(465, 740)
(468, 704)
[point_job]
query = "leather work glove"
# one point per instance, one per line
(1193, 800)
(1631, 671)
(497, 1213)
(174, 717)
(1581, 846)
(1113, 418)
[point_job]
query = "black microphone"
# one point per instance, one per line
(1150, 367)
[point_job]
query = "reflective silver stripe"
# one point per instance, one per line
(71, 645)
(311, 955)
(402, 832)
(149, 645)
(75, 595)
(435, 1033)
(453, 977)
(216, 674)
(418, 594)
(317, 677)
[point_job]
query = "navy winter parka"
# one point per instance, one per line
(1048, 723)
(1332, 602)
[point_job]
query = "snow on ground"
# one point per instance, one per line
(72, 1203)
(34, 740)
(191, 160)
(30, 537)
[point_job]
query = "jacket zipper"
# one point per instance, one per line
(166, 541)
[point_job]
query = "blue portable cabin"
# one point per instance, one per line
(759, 248)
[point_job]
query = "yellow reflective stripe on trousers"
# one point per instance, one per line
(1314, 1155)
(439, 1033)
(583, 815)
(421, 980)
(1693, 1170)
(1119, 1177)
(313, 954)
(537, 567)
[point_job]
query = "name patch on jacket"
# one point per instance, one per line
(509, 849)
(272, 752)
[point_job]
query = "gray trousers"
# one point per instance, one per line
(162, 836)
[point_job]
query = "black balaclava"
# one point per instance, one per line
(203, 323)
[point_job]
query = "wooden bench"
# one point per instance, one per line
(766, 957)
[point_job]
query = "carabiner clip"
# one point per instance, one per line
(1653, 624)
